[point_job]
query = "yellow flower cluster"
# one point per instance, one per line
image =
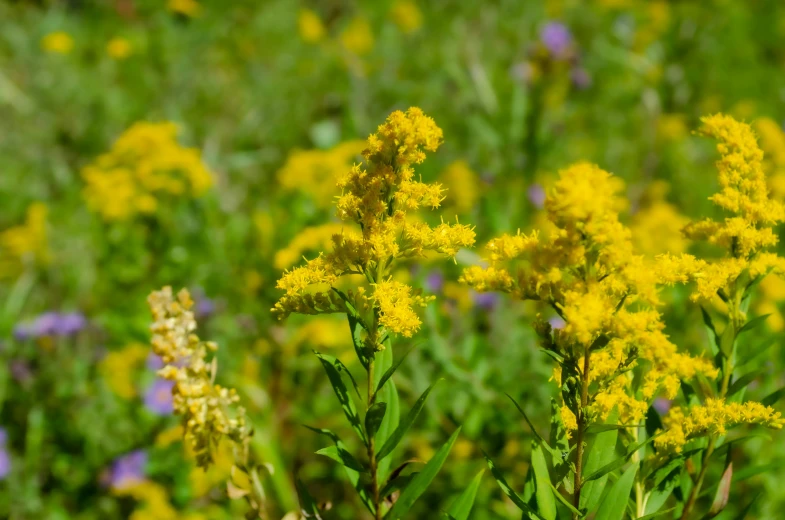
(772, 141)
(310, 26)
(204, 405)
(26, 244)
(586, 270)
(118, 48)
(118, 369)
(747, 233)
(315, 172)
(406, 15)
(189, 8)
(377, 198)
(464, 186)
(145, 163)
(712, 418)
(357, 37)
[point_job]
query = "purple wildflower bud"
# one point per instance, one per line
(536, 194)
(23, 331)
(485, 301)
(128, 469)
(662, 405)
(154, 362)
(46, 324)
(580, 78)
(205, 307)
(557, 323)
(158, 398)
(557, 39)
(70, 323)
(434, 281)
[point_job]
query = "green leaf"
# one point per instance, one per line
(390, 371)
(614, 504)
(714, 338)
(342, 456)
(599, 428)
(751, 471)
(396, 484)
(546, 504)
(773, 397)
(460, 509)
(349, 409)
(658, 513)
(422, 480)
(742, 382)
(753, 323)
(750, 354)
(723, 492)
(618, 463)
(356, 327)
(354, 476)
(374, 418)
(564, 501)
(389, 395)
(308, 507)
(560, 460)
(744, 512)
(601, 452)
(516, 499)
(531, 426)
(402, 428)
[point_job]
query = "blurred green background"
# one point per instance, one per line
(272, 94)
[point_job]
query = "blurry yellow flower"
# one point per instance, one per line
(656, 226)
(203, 481)
(119, 369)
(26, 244)
(406, 15)
(772, 293)
(672, 127)
(310, 26)
(315, 172)
(145, 164)
(320, 333)
(59, 42)
(772, 141)
(154, 499)
(311, 239)
(357, 37)
(169, 436)
(462, 185)
(189, 8)
(118, 48)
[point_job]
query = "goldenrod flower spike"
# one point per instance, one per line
(374, 202)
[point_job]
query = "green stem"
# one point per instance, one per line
(372, 446)
(581, 420)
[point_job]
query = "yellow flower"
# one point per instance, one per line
(59, 42)
(315, 238)
(377, 198)
(712, 418)
(145, 164)
(406, 15)
(315, 172)
(203, 405)
(189, 8)
(154, 499)
(672, 127)
(310, 26)
(119, 369)
(26, 244)
(656, 227)
(772, 141)
(462, 185)
(357, 37)
(118, 48)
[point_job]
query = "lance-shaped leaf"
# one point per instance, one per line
(342, 456)
(404, 426)
(754, 323)
(614, 504)
(742, 382)
(390, 371)
(617, 463)
(510, 492)
(546, 504)
(723, 492)
(354, 476)
(374, 418)
(331, 366)
(602, 451)
(388, 394)
(531, 426)
(460, 509)
(421, 482)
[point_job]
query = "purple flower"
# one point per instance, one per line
(3, 437)
(485, 301)
(580, 78)
(51, 324)
(536, 194)
(154, 362)
(557, 323)
(158, 398)
(556, 37)
(128, 469)
(434, 281)
(20, 370)
(5, 463)
(662, 405)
